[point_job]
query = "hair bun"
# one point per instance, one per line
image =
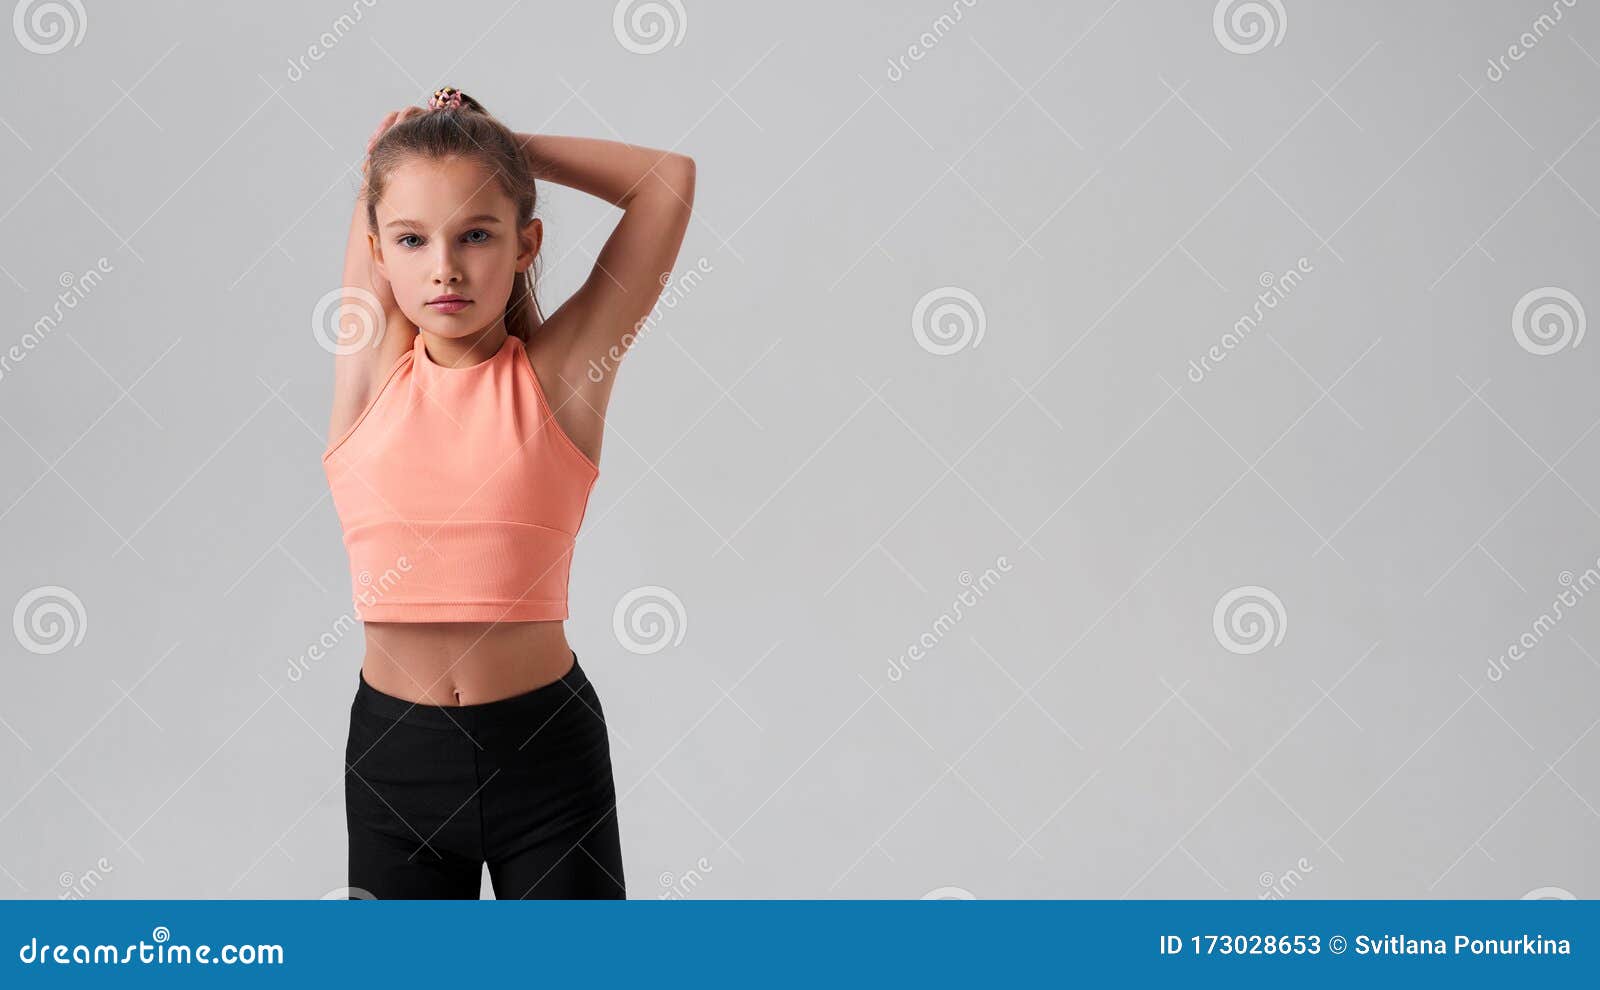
(445, 98)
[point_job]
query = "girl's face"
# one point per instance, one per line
(446, 228)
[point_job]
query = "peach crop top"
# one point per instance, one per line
(459, 494)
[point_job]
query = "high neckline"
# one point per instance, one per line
(423, 358)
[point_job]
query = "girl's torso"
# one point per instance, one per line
(458, 662)
(464, 663)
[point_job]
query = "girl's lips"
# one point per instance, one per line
(451, 306)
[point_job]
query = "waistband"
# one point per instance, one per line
(538, 705)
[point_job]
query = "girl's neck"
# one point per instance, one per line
(461, 352)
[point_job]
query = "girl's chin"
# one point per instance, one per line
(449, 325)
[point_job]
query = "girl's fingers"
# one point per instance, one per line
(390, 119)
(382, 126)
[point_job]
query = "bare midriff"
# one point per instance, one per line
(464, 663)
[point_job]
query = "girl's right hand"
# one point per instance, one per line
(390, 119)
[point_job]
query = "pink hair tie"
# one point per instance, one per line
(445, 98)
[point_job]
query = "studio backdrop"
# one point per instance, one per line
(1117, 449)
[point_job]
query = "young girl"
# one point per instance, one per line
(463, 445)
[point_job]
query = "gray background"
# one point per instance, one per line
(1110, 182)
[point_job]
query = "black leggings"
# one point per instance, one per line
(432, 792)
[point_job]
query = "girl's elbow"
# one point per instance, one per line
(682, 174)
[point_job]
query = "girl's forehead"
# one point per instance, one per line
(416, 168)
(430, 191)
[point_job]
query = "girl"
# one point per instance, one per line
(463, 445)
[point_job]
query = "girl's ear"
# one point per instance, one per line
(528, 241)
(377, 255)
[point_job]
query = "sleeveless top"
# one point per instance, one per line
(459, 494)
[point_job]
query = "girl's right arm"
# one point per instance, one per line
(373, 332)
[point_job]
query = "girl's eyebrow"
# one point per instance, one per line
(479, 218)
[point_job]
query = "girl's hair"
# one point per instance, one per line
(468, 132)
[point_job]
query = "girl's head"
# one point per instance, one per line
(450, 203)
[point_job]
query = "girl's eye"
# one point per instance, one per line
(401, 240)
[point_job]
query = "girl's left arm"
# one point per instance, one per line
(655, 191)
